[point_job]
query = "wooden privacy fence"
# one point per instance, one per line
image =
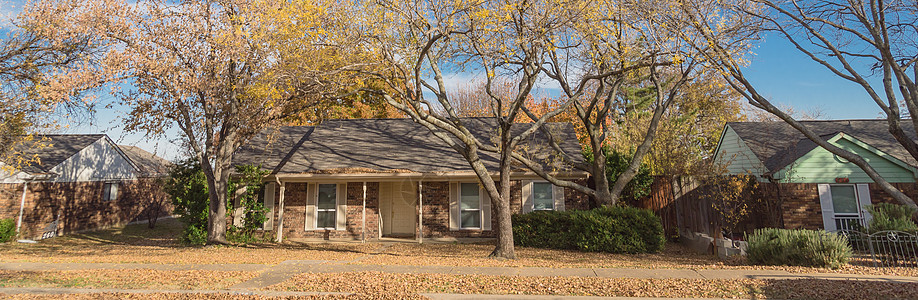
(691, 204)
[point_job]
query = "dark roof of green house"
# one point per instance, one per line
(777, 144)
(385, 145)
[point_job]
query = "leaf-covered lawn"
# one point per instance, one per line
(369, 282)
(175, 296)
(124, 279)
(138, 244)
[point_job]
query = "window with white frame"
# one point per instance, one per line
(326, 206)
(469, 206)
(110, 191)
(542, 196)
(845, 205)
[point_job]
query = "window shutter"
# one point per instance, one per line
(453, 206)
(269, 206)
(341, 209)
(863, 199)
(527, 197)
(825, 201)
(558, 196)
(311, 193)
(485, 208)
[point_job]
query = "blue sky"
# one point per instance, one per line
(778, 70)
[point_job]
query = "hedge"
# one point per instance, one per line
(615, 229)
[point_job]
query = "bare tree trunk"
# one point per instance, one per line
(501, 207)
(216, 214)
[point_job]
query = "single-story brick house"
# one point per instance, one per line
(815, 188)
(81, 182)
(374, 178)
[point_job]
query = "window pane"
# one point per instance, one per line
(844, 200)
(106, 191)
(327, 196)
(325, 219)
(469, 197)
(471, 219)
(542, 196)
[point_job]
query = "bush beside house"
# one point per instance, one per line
(7, 230)
(606, 229)
(887, 216)
(798, 247)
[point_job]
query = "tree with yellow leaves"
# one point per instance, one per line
(218, 71)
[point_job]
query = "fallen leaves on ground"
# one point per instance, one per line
(125, 279)
(139, 244)
(178, 296)
(376, 282)
(673, 256)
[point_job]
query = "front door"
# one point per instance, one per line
(398, 207)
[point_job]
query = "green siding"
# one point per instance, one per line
(821, 166)
(738, 157)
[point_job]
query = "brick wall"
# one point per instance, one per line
(80, 205)
(800, 207)
(435, 211)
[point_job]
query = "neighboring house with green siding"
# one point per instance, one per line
(815, 188)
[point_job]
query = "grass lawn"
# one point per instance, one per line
(139, 244)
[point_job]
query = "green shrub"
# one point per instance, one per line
(606, 229)
(194, 235)
(887, 216)
(799, 247)
(7, 230)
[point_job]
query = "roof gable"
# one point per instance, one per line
(777, 144)
(53, 149)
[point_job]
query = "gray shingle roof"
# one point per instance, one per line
(777, 144)
(54, 149)
(148, 164)
(379, 145)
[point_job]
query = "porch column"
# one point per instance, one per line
(280, 212)
(363, 228)
(420, 212)
(25, 189)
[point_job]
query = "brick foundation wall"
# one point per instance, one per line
(435, 211)
(80, 205)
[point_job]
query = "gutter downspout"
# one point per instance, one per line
(25, 190)
(420, 212)
(363, 228)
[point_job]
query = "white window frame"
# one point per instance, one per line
(461, 210)
(857, 203)
(333, 210)
(532, 195)
(107, 191)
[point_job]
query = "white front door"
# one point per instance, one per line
(398, 207)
